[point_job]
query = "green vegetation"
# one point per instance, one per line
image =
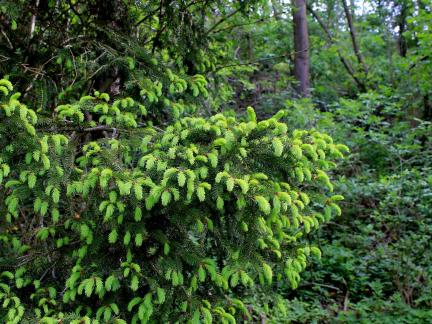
(138, 184)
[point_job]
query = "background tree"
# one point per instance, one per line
(301, 47)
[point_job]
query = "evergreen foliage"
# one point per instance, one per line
(161, 54)
(137, 185)
(147, 225)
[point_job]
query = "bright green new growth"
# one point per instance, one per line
(147, 224)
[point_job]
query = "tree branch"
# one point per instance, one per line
(343, 60)
(354, 37)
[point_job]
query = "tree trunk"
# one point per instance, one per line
(402, 24)
(427, 112)
(301, 47)
(382, 12)
(250, 50)
(354, 37)
(33, 20)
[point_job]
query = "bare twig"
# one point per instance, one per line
(7, 39)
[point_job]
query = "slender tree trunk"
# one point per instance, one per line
(360, 84)
(427, 112)
(402, 24)
(356, 46)
(250, 50)
(33, 20)
(301, 47)
(390, 56)
(381, 11)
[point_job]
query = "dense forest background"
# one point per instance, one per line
(111, 90)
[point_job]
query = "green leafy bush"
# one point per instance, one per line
(376, 264)
(119, 222)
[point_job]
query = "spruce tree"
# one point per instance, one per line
(118, 222)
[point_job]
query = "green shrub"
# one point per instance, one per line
(117, 222)
(376, 264)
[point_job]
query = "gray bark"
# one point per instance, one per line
(301, 47)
